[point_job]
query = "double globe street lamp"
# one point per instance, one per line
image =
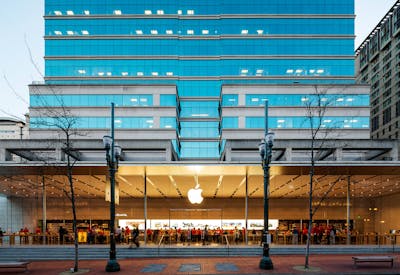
(113, 154)
(265, 149)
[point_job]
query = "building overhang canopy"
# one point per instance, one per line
(371, 172)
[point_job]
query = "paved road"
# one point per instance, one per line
(293, 264)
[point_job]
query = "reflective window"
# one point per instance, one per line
(199, 88)
(230, 122)
(304, 123)
(204, 7)
(199, 109)
(230, 100)
(199, 129)
(168, 122)
(231, 67)
(168, 100)
(90, 100)
(221, 26)
(197, 149)
(94, 122)
(303, 99)
(203, 47)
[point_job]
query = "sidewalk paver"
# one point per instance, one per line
(326, 264)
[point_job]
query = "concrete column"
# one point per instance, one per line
(348, 211)
(288, 154)
(241, 122)
(156, 99)
(338, 154)
(156, 122)
(145, 206)
(242, 99)
(228, 154)
(394, 153)
(168, 152)
(246, 209)
(4, 155)
(44, 209)
(60, 156)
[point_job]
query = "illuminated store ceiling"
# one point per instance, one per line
(216, 182)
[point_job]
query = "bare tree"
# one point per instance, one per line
(316, 106)
(62, 120)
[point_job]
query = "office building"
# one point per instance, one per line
(378, 64)
(175, 59)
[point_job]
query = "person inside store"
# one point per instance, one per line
(189, 236)
(332, 235)
(127, 234)
(149, 234)
(304, 234)
(135, 236)
(62, 231)
(204, 235)
(295, 235)
(236, 234)
(101, 238)
(118, 234)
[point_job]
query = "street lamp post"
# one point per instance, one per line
(113, 153)
(265, 148)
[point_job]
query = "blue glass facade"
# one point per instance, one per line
(197, 46)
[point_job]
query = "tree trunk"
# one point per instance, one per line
(74, 223)
(306, 264)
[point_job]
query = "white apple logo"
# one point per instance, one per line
(194, 195)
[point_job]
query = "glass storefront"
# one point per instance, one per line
(156, 200)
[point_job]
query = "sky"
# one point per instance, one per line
(22, 47)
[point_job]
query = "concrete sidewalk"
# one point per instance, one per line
(320, 264)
